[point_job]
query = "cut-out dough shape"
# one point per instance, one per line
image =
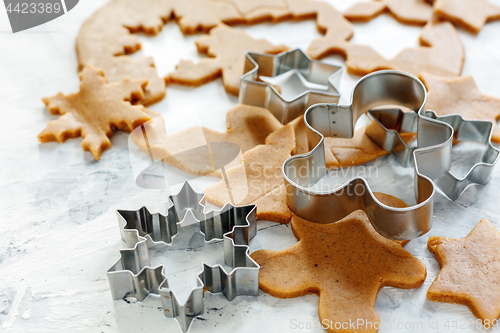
(441, 53)
(95, 111)
(108, 33)
(461, 95)
(226, 48)
(469, 14)
(470, 271)
(346, 263)
(406, 11)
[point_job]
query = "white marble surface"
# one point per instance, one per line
(59, 230)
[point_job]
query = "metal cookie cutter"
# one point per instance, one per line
(431, 158)
(258, 93)
(463, 130)
(132, 275)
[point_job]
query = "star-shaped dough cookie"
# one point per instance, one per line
(95, 111)
(470, 270)
(470, 14)
(461, 95)
(405, 11)
(346, 263)
(226, 48)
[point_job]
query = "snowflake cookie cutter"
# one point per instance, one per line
(431, 158)
(132, 276)
(256, 92)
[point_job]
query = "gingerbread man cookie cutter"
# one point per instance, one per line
(259, 93)
(132, 275)
(431, 158)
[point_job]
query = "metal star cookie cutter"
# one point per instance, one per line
(431, 158)
(132, 276)
(258, 93)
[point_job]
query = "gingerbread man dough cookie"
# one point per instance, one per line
(470, 271)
